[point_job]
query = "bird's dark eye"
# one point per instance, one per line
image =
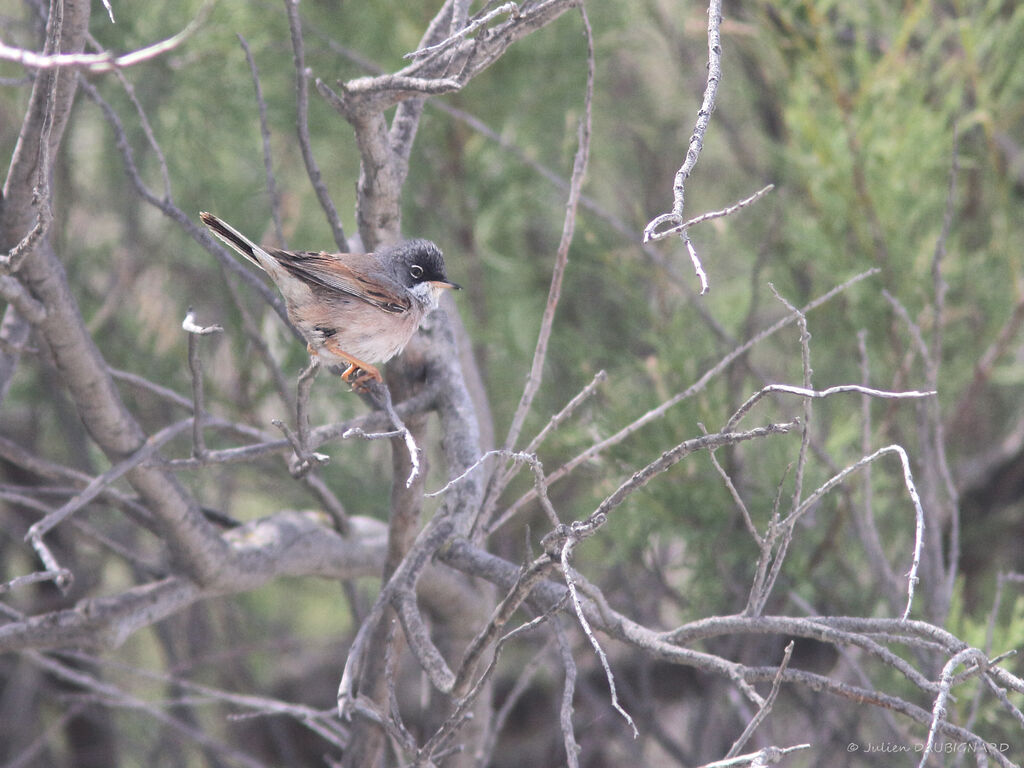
(416, 271)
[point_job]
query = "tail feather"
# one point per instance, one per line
(232, 237)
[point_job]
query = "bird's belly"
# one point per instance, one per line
(372, 336)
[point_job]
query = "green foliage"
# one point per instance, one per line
(855, 111)
(850, 109)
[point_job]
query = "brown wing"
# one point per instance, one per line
(331, 272)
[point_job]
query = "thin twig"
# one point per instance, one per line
(302, 391)
(516, 457)
(165, 205)
(510, 8)
(500, 482)
(259, 341)
(675, 217)
(945, 684)
(776, 539)
(650, 237)
(382, 397)
(741, 505)
(268, 163)
(864, 516)
(529, 577)
(766, 707)
(62, 577)
(461, 712)
(195, 366)
(805, 425)
(103, 62)
(673, 456)
(696, 387)
(111, 695)
(305, 459)
(147, 128)
(908, 481)
(814, 394)
(434, 533)
(567, 571)
(568, 230)
(572, 747)
(302, 76)
(99, 483)
(763, 757)
(940, 288)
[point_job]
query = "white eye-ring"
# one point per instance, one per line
(416, 271)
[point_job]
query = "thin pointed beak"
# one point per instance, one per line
(446, 284)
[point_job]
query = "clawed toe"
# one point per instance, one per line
(359, 378)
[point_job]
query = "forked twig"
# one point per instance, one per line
(651, 236)
(508, 8)
(915, 499)
(99, 483)
(382, 398)
(675, 217)
(658, 411)
(766, 707)
(589, 632)
(945, 685)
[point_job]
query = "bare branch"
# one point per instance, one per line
(499, 482)
(945, 684)
(813, 394)
(195, 365)
(169, 209)
(61, 577)
(480, 20)
(268, 163)
(14, 292)
(112, 696)
(430, 538)
(651, 237)
(572, 747)
(915, 498)
(675, 218)
(673, 456)
(284, 544)
(659, 411)
(382, 397)
(762, 757)
(302, 76)
(765, 708)
(103, 62)
(585, 625)
(305, 459)
(99, 483)
(579, 169)
(305, 385)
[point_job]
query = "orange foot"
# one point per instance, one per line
(364, 372)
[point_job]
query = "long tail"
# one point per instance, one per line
(232, 237)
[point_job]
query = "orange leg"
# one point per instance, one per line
(366, 372)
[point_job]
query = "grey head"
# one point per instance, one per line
(419, 266)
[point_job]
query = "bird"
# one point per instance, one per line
(353, 309)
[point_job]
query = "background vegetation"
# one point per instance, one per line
(894, 136)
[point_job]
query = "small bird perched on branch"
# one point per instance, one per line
(353, 309)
